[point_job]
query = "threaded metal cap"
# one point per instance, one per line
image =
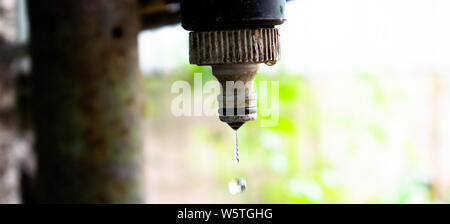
(234, 46)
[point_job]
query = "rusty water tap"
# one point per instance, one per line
(234, 37)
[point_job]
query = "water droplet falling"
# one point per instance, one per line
(236, 149)
(237, 186)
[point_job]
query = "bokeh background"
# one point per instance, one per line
(364, 112)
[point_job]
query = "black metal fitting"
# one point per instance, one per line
(205, 15)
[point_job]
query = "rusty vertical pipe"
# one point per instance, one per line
(85, 100)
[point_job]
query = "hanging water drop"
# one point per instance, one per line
(237, 186)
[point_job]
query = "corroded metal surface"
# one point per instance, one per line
(237, 98)
(85, 100)
(234, 46)
(234, 56)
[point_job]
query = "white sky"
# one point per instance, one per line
(329, 37)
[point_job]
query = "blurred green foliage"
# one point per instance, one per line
(286, 163)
